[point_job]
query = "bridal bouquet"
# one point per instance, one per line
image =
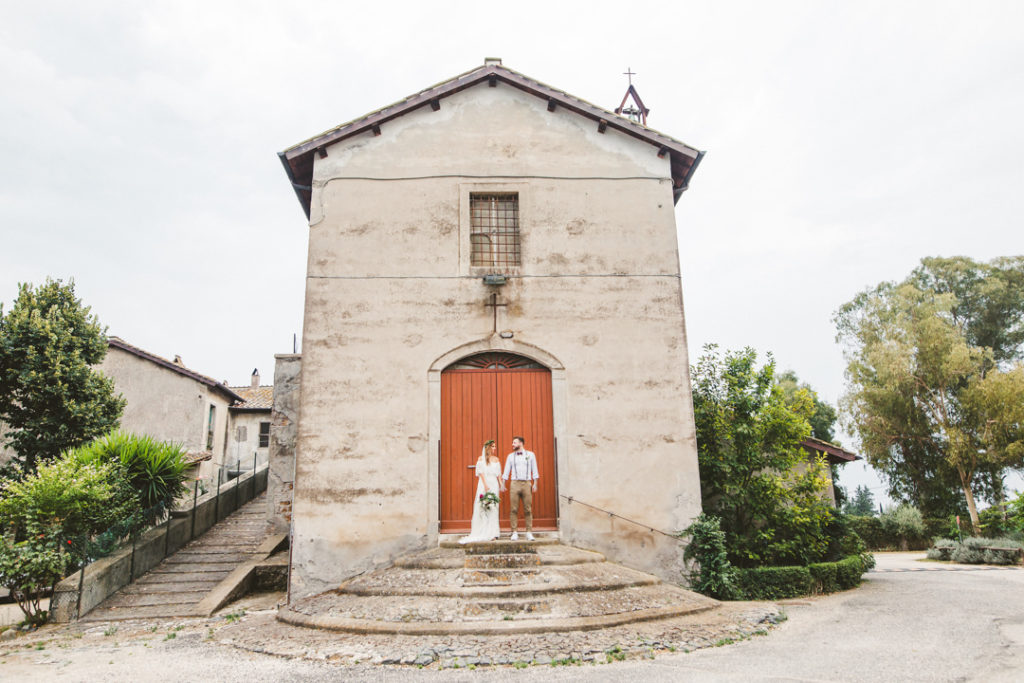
(489, 500)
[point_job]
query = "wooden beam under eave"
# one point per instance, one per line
(662, 152)
(492, 81)
(601, 125)
(435, 104)
(376, 130)
(322, 151)
(551, 104)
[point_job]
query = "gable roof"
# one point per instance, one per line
(834, 453)
(298, 159)
(118, 343)
(255, 400)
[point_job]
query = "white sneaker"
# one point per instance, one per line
(529, 536)
(514, 536)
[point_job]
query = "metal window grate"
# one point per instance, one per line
(494, 230)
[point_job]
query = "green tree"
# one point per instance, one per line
(45, 522)
(754, 475)
(989, 299)
(823, 419)
(916, 383)
(862, 503)
(51, 399)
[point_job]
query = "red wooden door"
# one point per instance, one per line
(496, 402)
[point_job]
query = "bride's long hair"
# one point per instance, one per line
(483, 452)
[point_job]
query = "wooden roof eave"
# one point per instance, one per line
(298, 158)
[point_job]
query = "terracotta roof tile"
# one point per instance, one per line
(261, 398)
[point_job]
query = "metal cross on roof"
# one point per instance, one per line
(636, 111)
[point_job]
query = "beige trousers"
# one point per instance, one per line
(521, 491)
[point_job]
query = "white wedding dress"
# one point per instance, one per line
(485, 525)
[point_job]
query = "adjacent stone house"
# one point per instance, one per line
(171, 402)
(488, 258)
(833, 454)
(249, 431)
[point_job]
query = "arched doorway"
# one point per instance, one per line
(494, 395)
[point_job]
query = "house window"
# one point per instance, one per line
(209, 427)
(494, 230)
(264, 434)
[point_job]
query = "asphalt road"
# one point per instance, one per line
(911, 621)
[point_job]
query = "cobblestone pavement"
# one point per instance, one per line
(733, 622)
(248, 631)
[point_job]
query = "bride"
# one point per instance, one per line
(488, 475)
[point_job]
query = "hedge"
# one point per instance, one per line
(975, 550)
(775, 583)
(877, 537)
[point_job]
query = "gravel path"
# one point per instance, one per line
(944, 624)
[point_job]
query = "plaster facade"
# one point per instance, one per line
(244, 440)
(169, 405)
(391, 300)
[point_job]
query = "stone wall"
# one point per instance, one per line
(283, 429)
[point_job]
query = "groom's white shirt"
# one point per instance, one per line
(521, 465)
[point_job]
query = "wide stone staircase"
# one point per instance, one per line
(493, 588)
(184, 583)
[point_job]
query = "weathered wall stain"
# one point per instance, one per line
(388, 302)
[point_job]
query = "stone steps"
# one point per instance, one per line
(455, 556)
(177, 586)
(501, 587)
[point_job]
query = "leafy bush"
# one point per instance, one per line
(1015, 510)
(775, 583)
(941, 527)
(843, 540)
(850, 570)
(942, 549)
(905, 524)
(870, 530)
(44, 520)
(712, 574)
(975, 550)
(824, 575)
(754, 475)
(154, 470)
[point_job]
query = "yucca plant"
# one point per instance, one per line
(154, 470)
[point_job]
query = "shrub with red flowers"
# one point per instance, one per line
(44, 519)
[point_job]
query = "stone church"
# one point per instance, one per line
(488, 258)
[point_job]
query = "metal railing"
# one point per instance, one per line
(572, 499)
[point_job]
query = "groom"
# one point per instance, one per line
(521, 466)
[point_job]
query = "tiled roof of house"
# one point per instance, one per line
(260, 398)
(195, 457)
(119, 343)
(836, 455)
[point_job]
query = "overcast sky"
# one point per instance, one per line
(845, 141)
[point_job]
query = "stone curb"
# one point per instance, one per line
(497, 591)
(290, 616)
